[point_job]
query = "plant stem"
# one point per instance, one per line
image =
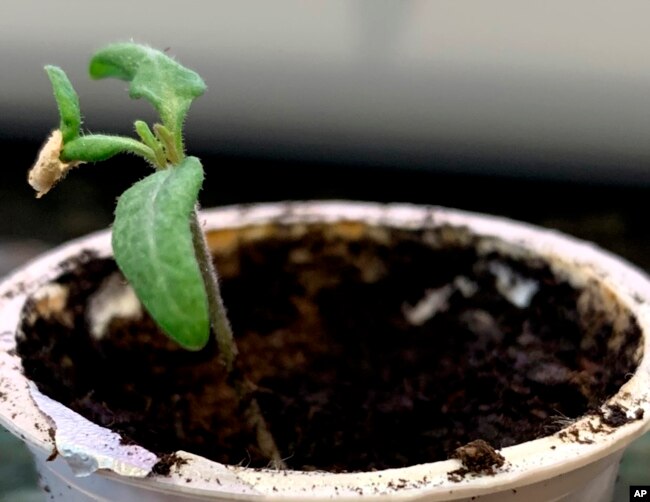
(218, 318)
(97, 147)
(228, 347)
(265, 439)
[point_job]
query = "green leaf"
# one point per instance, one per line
(98, 147)
(152, 243)
(67, 101)
(154, 76)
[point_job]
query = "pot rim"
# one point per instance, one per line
(526, 463)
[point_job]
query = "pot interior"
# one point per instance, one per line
(367, 348)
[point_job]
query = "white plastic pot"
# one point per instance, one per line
(92, 465)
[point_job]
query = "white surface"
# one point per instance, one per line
(555, 89)
(87, 447)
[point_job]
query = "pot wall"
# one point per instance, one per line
(544, 469)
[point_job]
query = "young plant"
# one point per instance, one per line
(157, 239)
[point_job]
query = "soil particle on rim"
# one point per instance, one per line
(51, 432)
(477, 457)
(615, 415)
(53, 454)
(344, 380)
(19, 289)
(573, 435)
(166, 463)
(73, 263)
(603, 420)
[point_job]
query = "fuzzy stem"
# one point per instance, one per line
(228, 347)
(265, 439)
(218, 318)
(98, 147)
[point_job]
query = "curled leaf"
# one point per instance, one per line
(154, 76)
(49, 168)
(67, 102)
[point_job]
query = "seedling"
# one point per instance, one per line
(157, 239)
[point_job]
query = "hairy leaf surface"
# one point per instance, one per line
(67, 102)
(152, 243)
(98, 147)
(154, 76)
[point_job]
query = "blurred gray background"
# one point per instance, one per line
(558, 87)
(536, 111)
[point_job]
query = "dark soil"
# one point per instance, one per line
(616, 415)
(477, 457)
(344, 379)
(166, 463)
